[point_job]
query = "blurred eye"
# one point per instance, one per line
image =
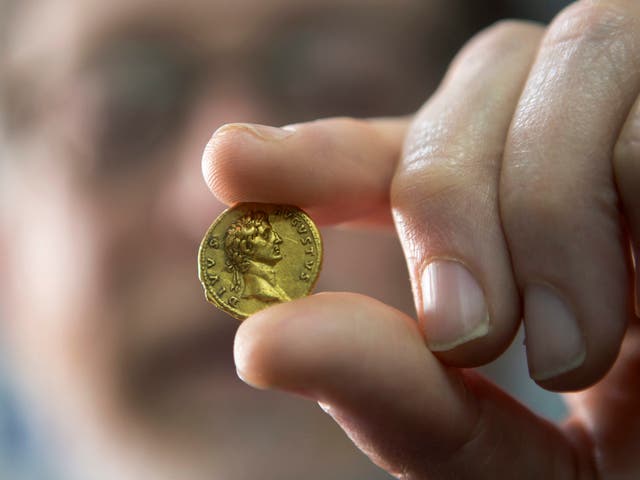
(321, 72)
(146, 89)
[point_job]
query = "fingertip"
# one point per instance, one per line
(339, 168)
(464, 316)
(256, 350)
(570, 347)
(274, 347)
(571, 381)
(246, 355)
(368, 366)
(310, 343)
(229, 159)
(216, 151)
(584, 372)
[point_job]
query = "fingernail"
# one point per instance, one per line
(553, 338)
(454, 308)
(262, 132)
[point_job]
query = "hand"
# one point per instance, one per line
(515, 191)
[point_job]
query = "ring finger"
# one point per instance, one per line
(559, 203)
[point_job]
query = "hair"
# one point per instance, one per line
(238, 241)
(8, 16)
(6, 9)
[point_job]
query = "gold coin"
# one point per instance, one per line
(256, 255)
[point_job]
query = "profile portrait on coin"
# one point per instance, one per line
(252, 248)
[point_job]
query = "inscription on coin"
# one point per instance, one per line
(255, 255)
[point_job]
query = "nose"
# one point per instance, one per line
(277, 239)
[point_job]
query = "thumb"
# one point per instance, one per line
(368, 366)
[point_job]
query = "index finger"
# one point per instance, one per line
(338, 169)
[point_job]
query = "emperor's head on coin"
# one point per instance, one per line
(252, 249)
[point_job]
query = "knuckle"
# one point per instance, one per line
(442, 153)
(545, 207)
(441, 171)
(597, 24)
(522, 205)
(527, 197)
(221, 168)
(426, 186)
(422, 200)
(441, 195)
(503, 32)
(501, 39)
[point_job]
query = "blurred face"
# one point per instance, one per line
(108, 105)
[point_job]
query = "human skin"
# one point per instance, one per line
(516, 189)
(116, 357)
(101, 363)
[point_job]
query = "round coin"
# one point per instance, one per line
(256, 255)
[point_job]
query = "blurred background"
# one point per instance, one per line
(112, 364)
